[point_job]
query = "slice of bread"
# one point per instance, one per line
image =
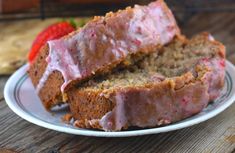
(164, 87)
(100, 46)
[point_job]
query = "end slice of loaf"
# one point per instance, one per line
(176, 84)
(100, 46)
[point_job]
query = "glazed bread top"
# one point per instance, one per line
(105, 42)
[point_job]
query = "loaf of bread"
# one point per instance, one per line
(130, 68)
(166, 86)
(103, 44)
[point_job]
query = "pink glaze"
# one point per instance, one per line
(62, 61)
(148, 108)
(108, 40)
(216, 78)
(118, 119)
(211, 38)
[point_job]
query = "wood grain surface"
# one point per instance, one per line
(214, 135)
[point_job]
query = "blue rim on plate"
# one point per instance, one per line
(19, 80)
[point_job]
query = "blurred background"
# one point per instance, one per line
(22, 20)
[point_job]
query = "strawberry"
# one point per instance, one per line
(54, 31)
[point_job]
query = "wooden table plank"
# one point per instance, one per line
(3, 80)
(214, 135)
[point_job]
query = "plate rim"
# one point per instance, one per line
(11, 102)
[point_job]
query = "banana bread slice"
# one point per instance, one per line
(101, 45)
(158, 90)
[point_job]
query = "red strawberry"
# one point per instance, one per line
(54, 31)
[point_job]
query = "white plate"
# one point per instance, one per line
(21, 98)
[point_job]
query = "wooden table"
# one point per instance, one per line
(214, 135)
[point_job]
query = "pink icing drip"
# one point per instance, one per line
(59, 59)
(211, 38)
(99, 43)
(120, 116)
(43, 79)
